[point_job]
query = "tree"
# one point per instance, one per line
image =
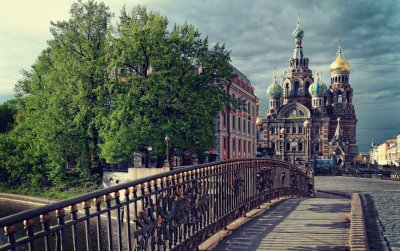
(65, 92)
(159, 90)
(8, 111)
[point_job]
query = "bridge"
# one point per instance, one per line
(176, 210)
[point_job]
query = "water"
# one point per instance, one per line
(386, 195)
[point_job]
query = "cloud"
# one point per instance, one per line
(258, 33)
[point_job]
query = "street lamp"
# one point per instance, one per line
(149, 149)
(166, 163)
(294, 148)
(282, 131)
(307, 126)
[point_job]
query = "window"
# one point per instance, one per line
(225, 143)
(340, 98)
(316, 129)
(234, 121)
(239, 145)
(300, 130)
(239, 124)
(224, 119)
(234, 144)
(288, 129)
(244, 126)
(296, 89)
(287, 89)
(294, 129)
(317, 147)
(272, 130)
(287, 146)
(244, 146)
(249, 148)
(300, 146)
(273, 146)
(248, 127)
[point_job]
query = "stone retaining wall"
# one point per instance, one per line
(358, 233)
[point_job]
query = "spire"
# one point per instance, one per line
(338, 132)
(298, 18)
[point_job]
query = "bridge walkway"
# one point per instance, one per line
(319, 223)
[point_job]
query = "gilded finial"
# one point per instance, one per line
(298, 18)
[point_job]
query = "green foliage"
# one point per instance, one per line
(69, 112)
(173, 100)
(8, 112)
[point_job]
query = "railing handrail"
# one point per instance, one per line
(12, 219)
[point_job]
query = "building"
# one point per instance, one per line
(236, 130)
(305, 118)
(387, 153)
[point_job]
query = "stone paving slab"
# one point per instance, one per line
(319, 223)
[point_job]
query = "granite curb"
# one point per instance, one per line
(358, 232)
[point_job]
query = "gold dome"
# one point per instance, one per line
(259, 121)
(340, 64)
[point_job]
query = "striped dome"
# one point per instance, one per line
(274, 90)
(318, 88)
(298, 32)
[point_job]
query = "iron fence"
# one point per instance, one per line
(176, 210)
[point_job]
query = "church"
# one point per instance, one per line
(306, 119)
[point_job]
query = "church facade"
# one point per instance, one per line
(305, 118)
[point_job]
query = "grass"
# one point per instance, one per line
(51, 193)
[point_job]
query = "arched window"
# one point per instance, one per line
(287, 89)
(340, 98)
(296, 89)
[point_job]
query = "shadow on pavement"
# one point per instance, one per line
(249, 236)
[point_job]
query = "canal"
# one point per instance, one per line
(386, 195)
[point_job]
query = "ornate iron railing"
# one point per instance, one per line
(176, 210)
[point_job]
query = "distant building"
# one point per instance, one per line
(236, 129)
(305, 118)
(387, 153)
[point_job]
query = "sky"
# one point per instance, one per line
(259, 35)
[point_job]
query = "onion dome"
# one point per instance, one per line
(318, 88)
(298, 32)
(340, 64)
(307, 124)
(259, 121)
(274, 90)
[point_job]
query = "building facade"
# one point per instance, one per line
(236, 132)
(387, 153)
(305, 118)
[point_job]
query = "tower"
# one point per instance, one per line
(274, 92)
(318, 90)
(298, 76)
(343, 117)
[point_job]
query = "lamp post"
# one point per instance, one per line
(166, 163)
(294, 148)
(283, 142)
(259, 123)
(149, 149)
(307, 126)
